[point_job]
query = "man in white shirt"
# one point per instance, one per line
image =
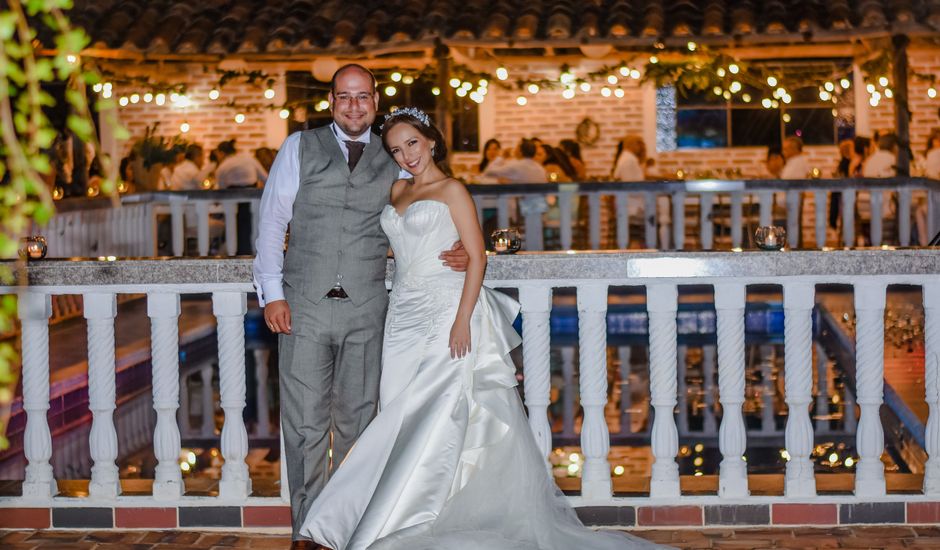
(882, 163)
(190, 174)
(797, 165)
(524, 169)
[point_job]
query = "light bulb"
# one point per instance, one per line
(269, 93)
(148, 97)
(390, 91)
(214, 94)
(521, 100)
(611, 79)
(461, 92)
(396, 76)
(135, 98)
(159, 99)
(845, 83)
(771, 81)
(568, 93)
(501, 73)
(585, 87)
(454, 82)
(123, 101)
(883, 81)
(720, 72)
(407, 79)
(239, 118)
(619, 92)
(605, 91)
(829, 86)
(733, 69)
(184, 127)
(735, 87)
(284, 113)
(533, 88)
(691, 46)
(436, 91)
(654, 60)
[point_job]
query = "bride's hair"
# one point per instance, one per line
(420, 121)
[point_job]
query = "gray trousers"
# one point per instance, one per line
(329, 374)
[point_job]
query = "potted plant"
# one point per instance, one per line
(154, 153)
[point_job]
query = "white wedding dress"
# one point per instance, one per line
(449, 462)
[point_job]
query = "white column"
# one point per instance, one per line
(932, 385)
(230, 308)
(766, 215)
(904, 216)
(683, 406)
(848, 217)
(536, 302)
(207, 404)
(822, 390)
(177, 227)
(877, 199)
(737, 219)
(708, 373)
(820, 197)
(34, 310)
(567, 393)
(595, 439)
(706, 229)
(622, 202)
(662, 303)
(729, 303)
(263, 428)
(793, 218)
(566, 219)
(623, 354)
(798, 300)
(869, 383)
(678, 220)
(649, 219)
(202, 227)
(594, 220)
(230, 211)
(164, 310)
(100, 310)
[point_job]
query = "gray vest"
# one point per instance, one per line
(335, 235)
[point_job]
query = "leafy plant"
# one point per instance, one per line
(153, 149)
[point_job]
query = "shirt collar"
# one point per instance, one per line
(341, 135)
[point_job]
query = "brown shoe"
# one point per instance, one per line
(306, 545)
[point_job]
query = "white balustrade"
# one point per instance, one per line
(595, 438)
(708, 373)
(536, 306)
(229, 309)
(164, 311)
(100, 310)
(932, 386)
(729, 305)
(869, 384)
(683, 391)
(34, 312)
(207, 428)
(662, 304)
(799, 298)
(822, 390)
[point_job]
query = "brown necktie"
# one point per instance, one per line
(355, 149)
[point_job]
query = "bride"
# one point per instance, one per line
(449, 462)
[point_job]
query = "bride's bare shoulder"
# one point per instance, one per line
(398, 188)
(454, 190)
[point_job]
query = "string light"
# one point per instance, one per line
(184, 127)
(501, 73)
(566, 77)
(720, 72)
(691, 46)
(931, 92)
(619, 92)
(829, 86)
(533, 88)
(735, 87)
(568, 93)
(455, 82)
(585, 87)
(870, 88)
(461, 92)
(654, 60)
(269, 93)
(174, 97)
(746, 98)
(390, 91)
(611, 79)
(284, 114)
(159, 99)
(824, 95)
(396, 76)
(466, 86)
(717, 90)
(845, 83)
(726, 94)
(733, 69)
(883, 81)
(123, 101)
(786, 117)
(148, 97)
(771, 81)
(407, 79)
(635, 74)
(888, 93)
(71, 59)
(521, 100)
(435, 91)
(214, 94)
(97, 88)
(765, 102)
(476, 96)
(605, 91)
(239, 118)
(135, 98)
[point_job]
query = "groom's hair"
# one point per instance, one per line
(352, 66)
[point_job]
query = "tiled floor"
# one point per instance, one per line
(801, 538)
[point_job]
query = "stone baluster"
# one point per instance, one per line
(904, 216)
(649, 219)
(877, 199)
(536, 302)
(567, 394)
(478, 201)
(678, 220)
(730, 300)
(566, 219)
(502, 211)
(822, 390)
(706, 229)
(532, 210)
(594, 220)
(683, 392)
(263, 427)
(708, 373)
(100, 310)
(202, 227)
(623, 353)
(230, 212)
(229, 309)
(150, 230)
(820, 200)
(794, 201)
(164, 310)
(798, 300)
(662, 303)
(177, 227)
(869, 368)
(932, 385)
(848, 217)
(595, 438)
(34, 310)
(768, 390)
(622, 206)
(766, 214)
(737, 219)
(207, 404)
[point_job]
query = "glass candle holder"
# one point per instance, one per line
(34, 247)
(770, 237)
(506, 241)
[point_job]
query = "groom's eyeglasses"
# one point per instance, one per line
(350, 98)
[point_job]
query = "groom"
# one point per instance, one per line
(326, 296)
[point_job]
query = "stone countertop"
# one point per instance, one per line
(551, 266)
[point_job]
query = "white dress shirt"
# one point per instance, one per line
(189, 177)
(628, 168)
(524, 170)
(277, 209)
(796, 168)
(240, 170)
(880, 165)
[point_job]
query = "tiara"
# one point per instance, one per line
(414, 112)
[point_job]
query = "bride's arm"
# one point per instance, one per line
(464, 212)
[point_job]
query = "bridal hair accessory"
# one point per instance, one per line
(415, 112)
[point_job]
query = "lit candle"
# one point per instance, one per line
(770, 239)
(501, 244)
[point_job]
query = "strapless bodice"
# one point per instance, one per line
(417, 238)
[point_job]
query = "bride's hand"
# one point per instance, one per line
(459, 339)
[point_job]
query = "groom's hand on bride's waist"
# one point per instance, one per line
(277, 316)
(456, 258)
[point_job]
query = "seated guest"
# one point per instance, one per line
(882, 163)
(557, 167)
(192, 171)
(572, 150)
(629, 165)
(237, 169)
(524, 169)
(774, 162)
(932, 155)
(797, 165)
(491, 154)
(862, 146)
(846, 153)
